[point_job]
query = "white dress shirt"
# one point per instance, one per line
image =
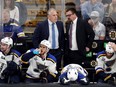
(50, 33)
(74, 41)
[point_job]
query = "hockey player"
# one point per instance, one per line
(42, 65)
(73, 73)
(9, 62)
(106, 67)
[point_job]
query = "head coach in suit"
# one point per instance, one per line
(53, 31)
(80, 36)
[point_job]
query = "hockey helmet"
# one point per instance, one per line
(109, 49)
(7, 40)
(46, 43)
(72, 74)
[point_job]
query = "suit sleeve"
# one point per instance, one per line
(90, 34)
(62, 37)
(36, 36)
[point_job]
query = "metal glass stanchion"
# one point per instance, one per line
(1, 24)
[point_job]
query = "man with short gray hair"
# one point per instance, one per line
(52, 30)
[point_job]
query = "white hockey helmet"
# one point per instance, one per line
(72, 74)
(109, 49)
(7, 40)
(46, 43)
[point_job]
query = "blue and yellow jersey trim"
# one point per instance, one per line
(99, 71)
(54, 75)
(15, 24)
(22, 60)
(16, 53)
(51, 58)
(21, 34)
(101, 55)
(62, 70)
(109, 76)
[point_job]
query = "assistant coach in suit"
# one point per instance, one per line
(79, 38)
(44, 31)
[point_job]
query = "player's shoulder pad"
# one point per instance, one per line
(51, 57)
(99, 54)
(15, 52)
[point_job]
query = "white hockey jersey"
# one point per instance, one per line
(105, 64)
(37, 65)
(77, 66)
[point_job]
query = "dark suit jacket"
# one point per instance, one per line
(42, 32)
(84, 35)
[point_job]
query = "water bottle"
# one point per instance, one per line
(36, 51)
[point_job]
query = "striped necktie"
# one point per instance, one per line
(53, 37)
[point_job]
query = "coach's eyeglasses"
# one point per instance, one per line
(68, 15)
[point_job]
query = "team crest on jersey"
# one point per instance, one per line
(103, 59)
(41, 67)
(35, 58)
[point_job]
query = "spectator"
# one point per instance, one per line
(105, 69)
(111, 10)
(9, 62)
(22, 13)
(45, 30)
(42, 65)
(11, 26)
(14, 11)
(73, 73)
(80, 41)
(82, 1)
(92, 5)
(98, 27)
(106, 2)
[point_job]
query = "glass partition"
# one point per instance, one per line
(29, 12)
(1, 24)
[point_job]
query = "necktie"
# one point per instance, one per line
(53, 37)
(70, 35)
